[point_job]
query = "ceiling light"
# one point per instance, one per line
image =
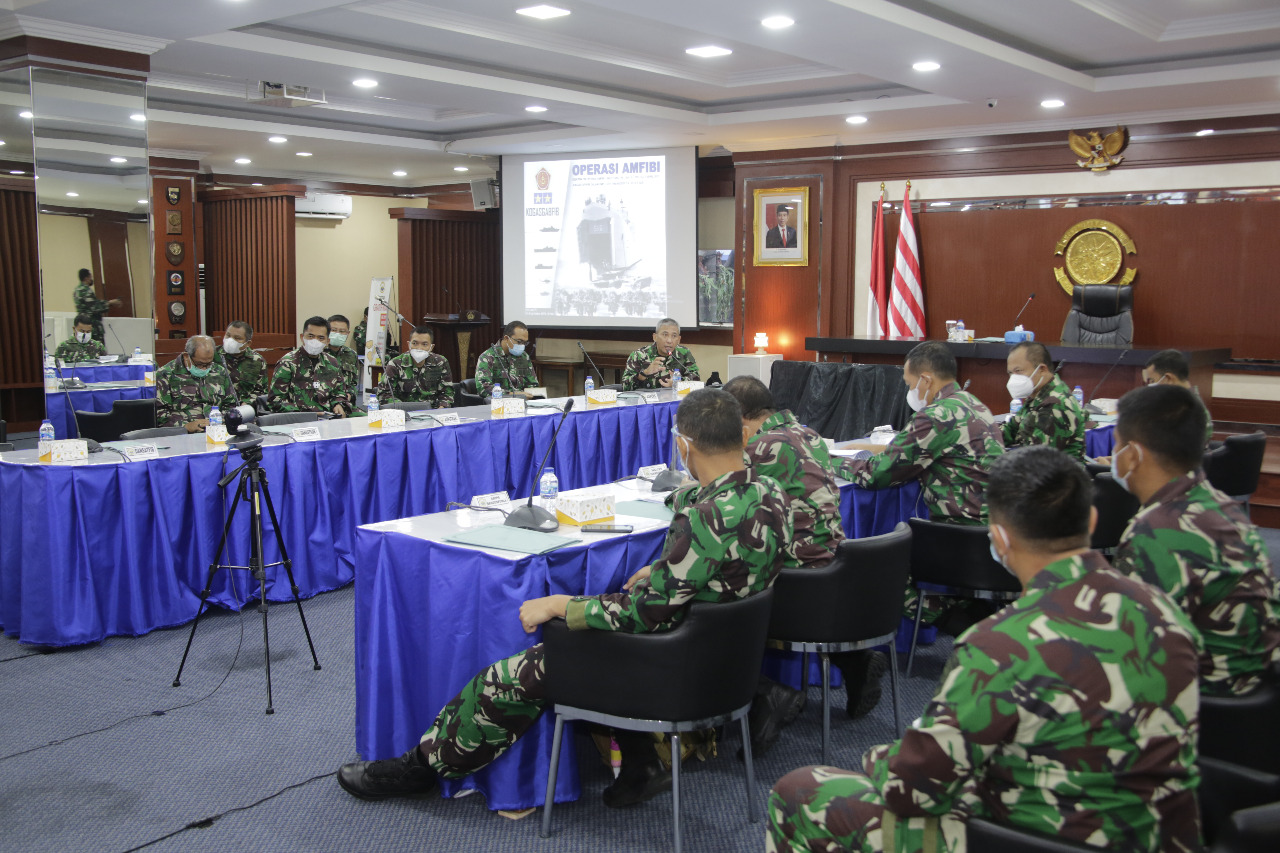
(1206, 132)
(119, 160)
(966, 150)
(1052, 104)
(255, 184)
(461, 169)
(535, 109)
(15, 171)
(926, 65)
(243, 161)
(138, 117)
(365, 83)
(277, 139)
(708, 51)
(1, 142)
(142, 201)
(777, 22)
(26, 114)
(939, 204)
(542, 12)
(856, 120)
(73, 195)
(303, 153)
(399, 173)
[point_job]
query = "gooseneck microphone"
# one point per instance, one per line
(591, 361)
(1024, 308)
(397, 314)
(532, 517)
(1090, 407)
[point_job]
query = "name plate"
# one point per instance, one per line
(602, 396)
(385, 418)
(63, 450)
(507, 407)
(142, 359)
(687, 385)
(650, 397)
(149, 378)
(139, 452)
(495, 499)
(648, 472)
(216, 434)
(450, 419)
(306, 433)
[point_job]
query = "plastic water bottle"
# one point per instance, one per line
(960, 329)
(548, 489)
(50, 379)
(588, 385)
(137, 352)
(1015, 405)
(1078, 393)
(372, 405)
(215, 416)
(46, 430)
(497, 391)
(675, 379)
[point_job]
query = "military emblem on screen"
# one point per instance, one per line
(542, 179)
(173, 194)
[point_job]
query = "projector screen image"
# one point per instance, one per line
(600, 239)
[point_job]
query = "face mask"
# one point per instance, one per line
(199, 372)
(684, 458)
(914, 398)
(1115, 472)
(419, 355)
(337, 338)
(995, 555)
(83, 337)
(517, 350)
(313, 347)
(1022, 386)
(231, 346)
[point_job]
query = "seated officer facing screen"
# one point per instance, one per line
(1050, 414)
(248, 369)
(81, 346)
(506, 363)
(419, 375)
(339, 333)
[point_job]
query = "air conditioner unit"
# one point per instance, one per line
(284, 95)
(322, 206)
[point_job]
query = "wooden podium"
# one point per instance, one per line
(460, 328)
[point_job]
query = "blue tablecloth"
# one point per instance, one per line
(1099, 442)
(91, 551)
(88, 400)
(106, 372)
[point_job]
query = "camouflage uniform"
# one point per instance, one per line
(358, 335)
(513, 373)
(724, 543)
(71, 350)
(350, 368)
(407, 381)
(181, 397)
(797, 458)
(1051, 416)
(305, 384)
(680, 359)
(248, 371)
(949, 446)
(1072, 713)
(87, 302)
(1196, 544)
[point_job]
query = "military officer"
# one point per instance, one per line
(1193, 541)
(87, 302)
(248, 369)
(190, 385)
(360, 333)
(308, 379)
(419, 375)
(724, 543)
(652, 366)
(1169, 367)
(1050, 414)
(1071, 713)
(339, 333)
(506, 363)
(81, 346)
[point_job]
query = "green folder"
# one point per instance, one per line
(511, 539)
(644, 509)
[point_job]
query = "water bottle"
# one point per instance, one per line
(497, 391)
(588, 385)
(675, 379)
(960, 329)
(548, 489)
(137, 352)
(1015, 405)
(50, 379)
(372, 405)
(215, 416)
(46, 431)
(1078, 393)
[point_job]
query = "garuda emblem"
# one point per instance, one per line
(1098, 152)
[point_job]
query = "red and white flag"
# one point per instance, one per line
(906, 302)
(878, 318)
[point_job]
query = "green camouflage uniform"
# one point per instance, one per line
(949, 446)
(248, 371)
(513, 373)
(87, 302)
(1050, 416)
(724, 543)
(1072, 713)
(1196, 544)
(305, 384)
(350, 368)
(71, 350)
(182, 398)
(406, 381)
(358, 335)
(797, 458)
(681, 359)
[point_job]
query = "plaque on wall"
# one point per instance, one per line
(173, 222)
(174, 194)
(173, 251)
(177, 333)
(177, 312)
(175, 283)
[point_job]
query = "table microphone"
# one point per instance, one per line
(399, 316)
(532, 517)
(587, 356)
(1024, 308)
(1090, 407)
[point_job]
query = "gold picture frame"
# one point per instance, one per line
(785, 243)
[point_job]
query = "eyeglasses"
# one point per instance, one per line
(202, 364)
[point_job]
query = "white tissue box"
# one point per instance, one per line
(1106, 404)
(63, 450)
(602, 396)
(687, 385)
(385, 418)
(149, 378)
(585, 506)
(506, 407)
(216, 434)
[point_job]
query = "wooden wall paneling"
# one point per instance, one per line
(163, 267)
(21, 347)
(109, 245)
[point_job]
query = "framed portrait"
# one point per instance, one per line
(782, 227)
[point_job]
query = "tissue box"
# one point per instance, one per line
(585, 506)
(602, 396)
(216, 434)
(506, 407)
(1017, 337)
(687, 385)
(385, 418)
(1107, 405)
(67, 450)
(149, 378)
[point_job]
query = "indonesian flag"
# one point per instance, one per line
(906, 305)
(878, 318)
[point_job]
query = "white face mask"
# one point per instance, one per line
(915, 399)
(337, 338)
(419, 355)
(313, 347)
(231, 346)
(1022, 386)
(994, 531)
(1115, 471)
(83, 337)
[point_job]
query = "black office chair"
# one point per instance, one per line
(1243, 729)
(153, 432)
(282, 418)
(1100, 314)
(852, 603)
(125, 416)
(954, 560)
(1254, 830)
(1116, 508)
(987, 837)
(1236, 466)
(701, 674)
(1226, 788)
(466, 394)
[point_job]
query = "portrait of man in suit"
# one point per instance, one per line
(781, 235)
(781, 226)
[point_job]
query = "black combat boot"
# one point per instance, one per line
(406, 776)
(861, 672)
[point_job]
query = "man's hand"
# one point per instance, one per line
(656, 366)
(642, 575)
(665, 383)
(535, 611)
(338, 410)
(198, 425)
(114, 303)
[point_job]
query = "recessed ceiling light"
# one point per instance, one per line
(138, 117)
(277, 139)
(1206, 132)
(535, 109)
(365, 83)
(255, 184)
(15, 172)
(26, 114)
(1, 142)
(119, 160)
(966, 150)
(73, 195)
(461, 169)
(243, 161)
(1052, 104)
(926, 65)
(856, 120)
(542, 12)
(303, 153)
(708, 51)
(939, 204)
(777, 22)
(143, 201)
(399, 173)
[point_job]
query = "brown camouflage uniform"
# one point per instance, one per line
(681, 359)
(248, 371)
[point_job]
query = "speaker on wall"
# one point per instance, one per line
(483, 194)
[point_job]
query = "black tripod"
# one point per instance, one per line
(251, 489)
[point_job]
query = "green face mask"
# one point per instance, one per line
(337, 339)
(199, 372)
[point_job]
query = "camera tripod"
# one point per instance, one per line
(252, 489)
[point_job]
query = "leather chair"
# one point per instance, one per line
(1116, 508)
(988, 837)
(125, 416)
(702, 673)
(954, 560)
(1255, 830)
(1100, 314)
(1243, 730)
(153, 432)
(466, 394)
(1226, 788)
(282, 418)
(1235, 467)
(852, 603)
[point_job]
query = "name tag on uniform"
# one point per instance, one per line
(451, 419)
(650, 396)
(138, 452)
(648, 472)
(306, 433)
(495, 499)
